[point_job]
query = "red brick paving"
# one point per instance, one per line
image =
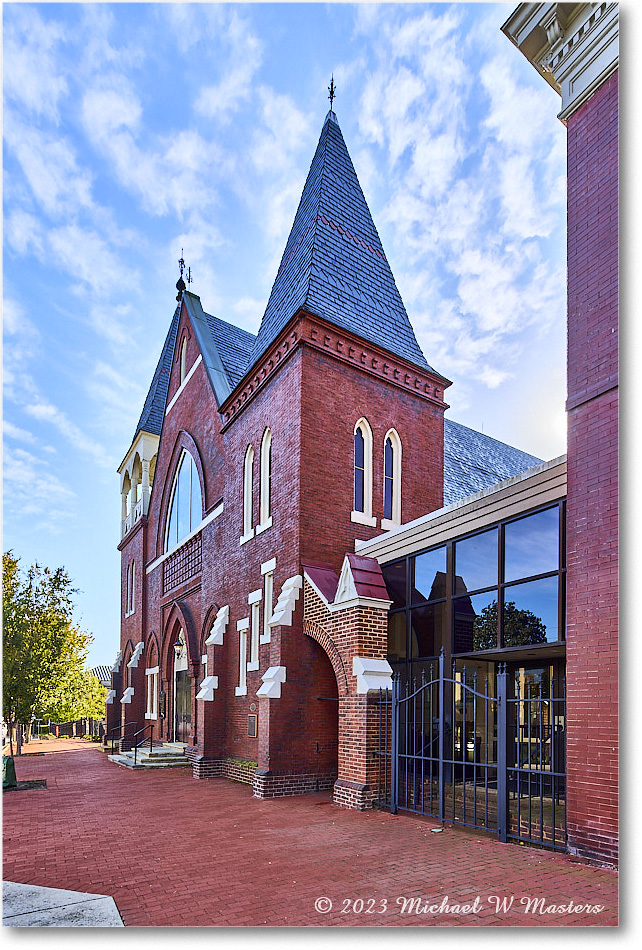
(172, 851)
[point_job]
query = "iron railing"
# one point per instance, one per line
(142, 742)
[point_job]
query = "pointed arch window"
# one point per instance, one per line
(391, 480)
(362, 511)
(265, 501)
(186, 507)
(183, 360)
(248, 496)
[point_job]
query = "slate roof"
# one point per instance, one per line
(334, 265)
(234, 346)
(473, 461)
(103, 675)
(151, 418)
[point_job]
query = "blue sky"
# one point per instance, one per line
(135, 130)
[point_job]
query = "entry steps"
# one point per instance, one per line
(167, 756)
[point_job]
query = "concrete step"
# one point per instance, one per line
(161, 757)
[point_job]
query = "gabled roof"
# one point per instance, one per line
(151, 418)
(334, 265)
(473, 461)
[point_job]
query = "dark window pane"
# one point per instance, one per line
(358, 489)
(395, 577)
(397, 636)
(430, 575)
(388, 459)
(532, 545)
(387, 480)
(427, 630)
(476, 562)
(475, 622)
(358, 448)
(530, 612)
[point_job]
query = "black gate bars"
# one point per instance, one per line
(451, 748)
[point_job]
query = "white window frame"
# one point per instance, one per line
(267, 570)
(130, 589)
(364, 517)
(254, 600)
(395, 521)
(183, 361)
(151, 711)
(265, 501)
(242, 627)
(248, 494)
(166, 548)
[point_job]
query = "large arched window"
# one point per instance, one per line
(362, 511)
(186, 508)
(248, 497)
(391, 480)
(265, 505)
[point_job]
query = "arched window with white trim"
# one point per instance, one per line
(265, 502)
(362, 511)
(186, 506)
(391, 480)
(248, 497)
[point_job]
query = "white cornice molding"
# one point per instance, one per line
(575, 47)
(197, 362)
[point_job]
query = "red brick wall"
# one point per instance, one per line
(592, 512)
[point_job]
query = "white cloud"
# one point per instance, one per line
(23, 232)
(46, 412)
(31, 491)
(32, 73)
(220, 100)
(88, 258)
(50, 167)
(15, 432)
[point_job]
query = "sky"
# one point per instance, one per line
(135, 132)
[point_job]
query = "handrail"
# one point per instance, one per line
(148, 725)
(132, 722)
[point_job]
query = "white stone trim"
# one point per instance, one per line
(372, 675)
(253, 664)
(243, 624)
(150, 670)
(268, 566)
(286, 603)
(260, 528)
(359, 518)
(188, 537)
(248, 495)
(395, 441)
(136, 655)
(219, 625)
(197, 362)
(247, 537)
(265, 501)
(117, 662)
(267, 570)
(203, 659)
(241, 689)
(127, 695)
(111, 695)
(272, 680)
(255, 596)
(207, 687)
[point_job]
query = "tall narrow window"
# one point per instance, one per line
(186, 507)
(267, 570)
(248, 479)
(242, 628)
(265, 506)
(151, 711)
(362, 511)
(391, 480)
(184, 359)
(254, 600)
(130, 582)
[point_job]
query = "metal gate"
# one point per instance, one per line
(462, 752)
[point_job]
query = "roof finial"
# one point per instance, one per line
(180, 283)
(332, 90)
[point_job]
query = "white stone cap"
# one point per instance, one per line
(206, 691)
(243, 624)
(272, 679)
(268, 566)
(219, 625)
(127, 695)
(111, 695)
(255, 596)
(372, 675)
(116, 665)
(133, 663)
(282, 615)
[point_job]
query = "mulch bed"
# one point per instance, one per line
(21, 786)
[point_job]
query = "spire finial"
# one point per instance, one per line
(332, 89)
(180, 283)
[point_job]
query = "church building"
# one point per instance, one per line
(307, 543)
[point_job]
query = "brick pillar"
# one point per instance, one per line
(592, 508)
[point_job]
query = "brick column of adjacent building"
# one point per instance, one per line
(592, 512)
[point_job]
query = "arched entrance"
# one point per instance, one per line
(182, 691)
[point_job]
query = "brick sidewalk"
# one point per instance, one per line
(172, 851)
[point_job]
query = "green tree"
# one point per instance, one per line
(520, 627)
(44, 652)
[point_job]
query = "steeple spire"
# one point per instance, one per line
(332, 89)
(334, 265)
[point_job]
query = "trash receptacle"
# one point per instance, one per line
(8, 772)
